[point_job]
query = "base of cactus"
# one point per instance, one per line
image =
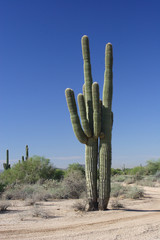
(92, 206)
(102, 204)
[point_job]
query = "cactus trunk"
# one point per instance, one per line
(91, 154)
(105, 152)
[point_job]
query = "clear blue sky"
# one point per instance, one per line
(40, 56)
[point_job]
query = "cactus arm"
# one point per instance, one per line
(108, 85)
(105, 143)
(82, 110)
(88, 80)
(96, 110)
(78, 131)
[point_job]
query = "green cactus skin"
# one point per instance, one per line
(7, 165)
(105, 152)
(22, 158)
(96, 121)
(27, 152)
(88, 132)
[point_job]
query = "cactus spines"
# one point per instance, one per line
(7, 165)
(96, 119)
(27, 152)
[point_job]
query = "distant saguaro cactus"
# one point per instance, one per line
(27, 152)
(7, 165)
(96, 119)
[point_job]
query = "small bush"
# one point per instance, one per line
(115, 204)
(80, 206)
(4, 205)
(157, 175)
(117, 190)
(119, 178)
(73, 185)
(75, 167)
(39, 212)
(147, 181)
(135, 193)
(34, 191)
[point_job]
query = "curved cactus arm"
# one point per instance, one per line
(82, 109)
(96, 110)
(78, 131)
(88, 80)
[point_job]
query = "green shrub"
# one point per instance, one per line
(119, 178)
(152, 167)
(29, 171)
(59, 174)
(75, 167)
(117, 190)
(134, 193)
(138, 171)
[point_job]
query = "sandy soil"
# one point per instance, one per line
(139, 220)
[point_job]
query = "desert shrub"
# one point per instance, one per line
(157, 174)
(134, 193)
(130, 180)
(39, 212)
(75, 167)
(137, 171)
(4, 205)
(152, 167)
(118, 178)
(73, 185)
(59, 174)
(117, 190)
(115, 204)
(34, 191)
(80, 206)
(149, 181)
(116, 171)
(2, 187)
(29, 171)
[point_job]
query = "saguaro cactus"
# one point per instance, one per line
(93, 119)
(7, 165)
(27, 152)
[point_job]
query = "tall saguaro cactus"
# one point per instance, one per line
(94, 117)
(7, 165)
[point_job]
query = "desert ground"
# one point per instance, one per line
(138, 220)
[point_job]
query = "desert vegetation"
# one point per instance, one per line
(38, 180)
